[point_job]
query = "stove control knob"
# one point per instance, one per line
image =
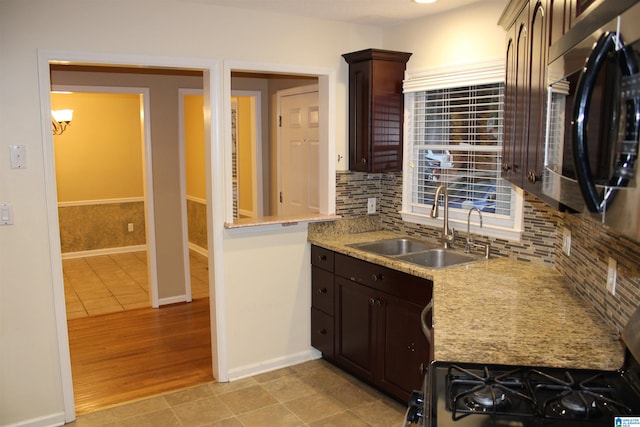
(415, 411)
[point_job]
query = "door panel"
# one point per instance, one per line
(299, 153)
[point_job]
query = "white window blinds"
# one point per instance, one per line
(454, 128)
(457, 140)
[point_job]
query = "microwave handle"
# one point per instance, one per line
(595, 202)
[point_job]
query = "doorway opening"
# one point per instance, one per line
(154, 80)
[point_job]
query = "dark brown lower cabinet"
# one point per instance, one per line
(376, 325)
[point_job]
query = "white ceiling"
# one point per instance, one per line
(369, 12)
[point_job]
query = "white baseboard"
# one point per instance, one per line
(172, 300)
(48, 421)
(199, 249)
(273, 364)
(105, 251)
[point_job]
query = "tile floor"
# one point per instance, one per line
(314, 394)
(110, 283)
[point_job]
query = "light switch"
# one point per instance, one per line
(6, 214)
(18, 156)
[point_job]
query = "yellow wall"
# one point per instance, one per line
(194, 145)
(100, 154)
(246, 169)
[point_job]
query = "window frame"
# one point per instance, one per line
(480, 73)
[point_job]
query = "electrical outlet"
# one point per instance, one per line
(612, 275)
(130, 227)
(371, 205)
(566, 241)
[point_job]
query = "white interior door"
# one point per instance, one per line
(299, 143)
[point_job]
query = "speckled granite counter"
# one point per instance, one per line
(503, 311)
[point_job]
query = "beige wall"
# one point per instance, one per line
(30, 373)
(469, 34)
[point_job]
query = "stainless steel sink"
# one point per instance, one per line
(393, 247)
(437, 258)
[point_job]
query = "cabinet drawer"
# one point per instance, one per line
(322, 290)
(397, 283)
(322, 332)
(321, 257)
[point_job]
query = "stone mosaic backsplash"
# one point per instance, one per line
(586, 267)
(539, 242)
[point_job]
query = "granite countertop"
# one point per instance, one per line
(503, 311)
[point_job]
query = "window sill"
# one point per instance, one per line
(283, 221)
(488, 230)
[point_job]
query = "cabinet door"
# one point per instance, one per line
(360, 75)
(322, 332)
(403, 344)
(521, 102)
(322, 290)
(560, 18)
(508, 139)
(516, 100)
(355, 327)
(538, 48)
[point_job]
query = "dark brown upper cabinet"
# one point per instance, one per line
(531, 27)
(376, 109)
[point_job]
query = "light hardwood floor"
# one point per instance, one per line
(121, 348)
(132, 354)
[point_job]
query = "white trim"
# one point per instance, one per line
(56, 419)
(482, 72)
(215, 201)
(174, 300)
(104, 251)
(149, 204)
(273, 364)
(101, 202)
(197, 200)
(199, 249)
(182, 160)
(327, 105)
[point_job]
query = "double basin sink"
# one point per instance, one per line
(415, 252)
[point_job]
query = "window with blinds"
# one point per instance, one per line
(456, 140)
(454, 129)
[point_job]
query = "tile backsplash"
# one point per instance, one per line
(585, 268)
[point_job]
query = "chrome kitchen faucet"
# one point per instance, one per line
(448, 236)
(470, 243)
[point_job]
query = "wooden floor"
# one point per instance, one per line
(128, 355)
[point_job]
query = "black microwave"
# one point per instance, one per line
(593, 125)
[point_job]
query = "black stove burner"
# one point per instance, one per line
(489, 397)
(480, 392)
(575, 402)
(566, 398)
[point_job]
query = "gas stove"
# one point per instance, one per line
(470, 395)
(479, 395)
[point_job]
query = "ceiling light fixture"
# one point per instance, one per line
(424, 1)
(60, 119)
